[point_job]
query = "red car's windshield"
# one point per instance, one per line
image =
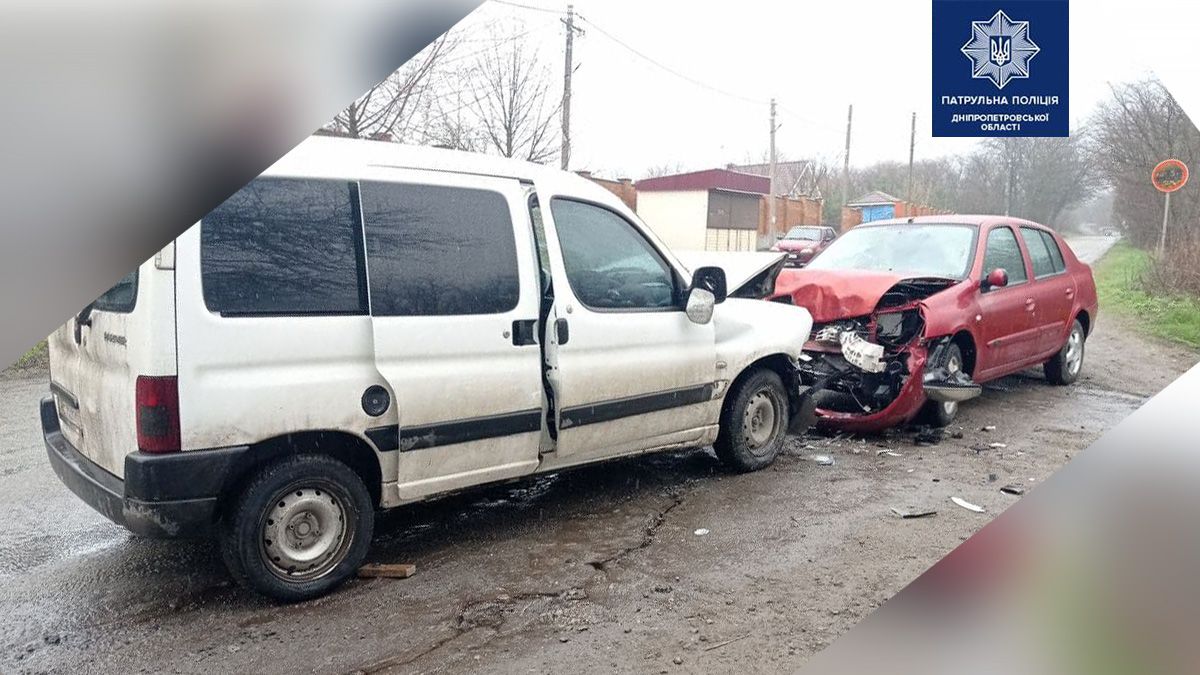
(804, 233)
(928, 250)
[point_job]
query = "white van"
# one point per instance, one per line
(367, 325)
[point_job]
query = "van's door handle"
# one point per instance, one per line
(524, 332)
(562, 332)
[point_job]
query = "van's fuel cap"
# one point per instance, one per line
(375, 400)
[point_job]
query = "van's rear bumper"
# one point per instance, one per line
(154, 503)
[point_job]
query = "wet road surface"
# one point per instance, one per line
(599, 569)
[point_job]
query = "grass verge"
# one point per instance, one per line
(38, 357)
(1119, 284)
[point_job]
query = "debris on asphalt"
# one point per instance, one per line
(992, 478)
(700, 532)
(386, 571)
(990, 427)
(914, 513)
(823, 460)
(957, 434)
(889, 453)
(966, 504)
(998, 446)
(727, 642)
(928, 436)
(1013, 489)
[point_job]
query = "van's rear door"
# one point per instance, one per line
(454, 294)
(97, 355)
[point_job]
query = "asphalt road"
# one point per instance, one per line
(601, 569)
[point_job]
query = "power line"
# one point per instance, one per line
(529, 7)
(666, 68)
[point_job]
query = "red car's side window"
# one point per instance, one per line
(1004, 253)
(1039, 252)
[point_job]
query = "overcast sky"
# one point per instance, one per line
(815, 58)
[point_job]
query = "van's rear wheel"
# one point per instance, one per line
(299, 528)
(753, 422)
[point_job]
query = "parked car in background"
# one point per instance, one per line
(367, 325)
(803, 242)
(912, 315)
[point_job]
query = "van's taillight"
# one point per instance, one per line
(158, 414)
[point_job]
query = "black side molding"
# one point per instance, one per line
(393, 437)
(607, 411)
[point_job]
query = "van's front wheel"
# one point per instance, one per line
(299, 528)
(753, 422)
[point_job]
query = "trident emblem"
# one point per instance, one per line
(1001, 49)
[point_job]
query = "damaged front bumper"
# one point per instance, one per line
(869, 386)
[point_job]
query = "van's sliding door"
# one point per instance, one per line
(454, 302)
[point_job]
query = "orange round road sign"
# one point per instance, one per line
(1169, 175)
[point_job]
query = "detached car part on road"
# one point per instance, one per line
(368, 325)
(912, 316)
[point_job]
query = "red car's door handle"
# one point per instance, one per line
(1030, 304)
(1070, 292)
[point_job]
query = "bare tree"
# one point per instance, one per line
(667, 169)
(514, 104)
(1140, 126)
(389, 110)
(450, 123)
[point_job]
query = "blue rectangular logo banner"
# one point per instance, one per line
(1000, 68)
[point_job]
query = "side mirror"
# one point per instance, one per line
(711, 279)
(997, 278)
(700, 305)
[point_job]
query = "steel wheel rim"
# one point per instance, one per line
(1074, 351)
(761, 421)
(953, 365)
(307, 531)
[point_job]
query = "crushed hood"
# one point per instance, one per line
(830, 295)
(742, 268)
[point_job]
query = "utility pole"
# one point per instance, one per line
(771, 196)
(912, 148)
(846, 162)
(566, 99)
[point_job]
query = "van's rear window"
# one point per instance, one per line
(120, 298)
(284, 247)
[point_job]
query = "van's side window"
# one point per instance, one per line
(609, 264)
(120, 298)
(435, 251)
(284, 247)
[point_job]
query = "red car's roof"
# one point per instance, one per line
(956, 219)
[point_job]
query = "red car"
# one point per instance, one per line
(803, 242)
(911, 316)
